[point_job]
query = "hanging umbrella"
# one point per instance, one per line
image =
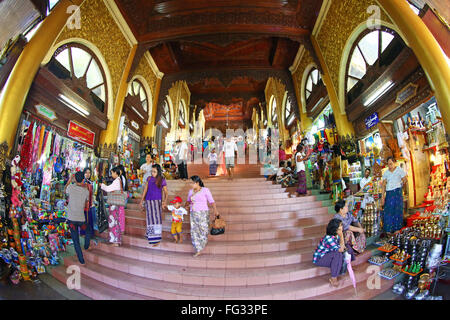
(348, 259)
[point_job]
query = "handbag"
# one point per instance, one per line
(102, 216)
(117, 198)
(218, 226)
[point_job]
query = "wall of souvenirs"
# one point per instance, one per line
(33, 228)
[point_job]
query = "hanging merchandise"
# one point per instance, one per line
(38, 230)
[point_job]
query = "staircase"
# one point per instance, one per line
(265, 253)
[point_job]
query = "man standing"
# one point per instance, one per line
(182, 156)
(229, 147)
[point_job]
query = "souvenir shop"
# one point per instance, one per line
(56, 137)
(418, 254)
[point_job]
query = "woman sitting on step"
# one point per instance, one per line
(354, 236)
(198, 199)
(330, 251)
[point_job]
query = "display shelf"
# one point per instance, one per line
(379, 263)
(412, 274)
(401, 261)
(395, 274)
(388, 251)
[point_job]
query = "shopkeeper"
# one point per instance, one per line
(367, 179)
(392, 197)
(146, 168)
(363, 184)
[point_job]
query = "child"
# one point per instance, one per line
(212, 157)
(177, 218)
(78, 196)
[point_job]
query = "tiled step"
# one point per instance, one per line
(239, 226)
(212, 276)
(223, 208)
(213, 260)
(96, 289)
(299, 289)
(279, 233)
(224, 247)
(254, 217)
(248, 201)
(362, 292)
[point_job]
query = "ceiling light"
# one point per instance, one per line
(378, 93)
(291, 118)
(74, 106)
(164, 124)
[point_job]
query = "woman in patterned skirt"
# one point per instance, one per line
(115, 234)
(393, 180)
(300, 158)
(198, 199)
(154, 198)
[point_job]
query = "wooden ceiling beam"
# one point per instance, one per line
(295, 34)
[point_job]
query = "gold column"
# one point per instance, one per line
(343, 126)
(149, 129)
(427, 50)
(16, 89)
(109, 136)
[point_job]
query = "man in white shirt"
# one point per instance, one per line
(146, 168)
(364, 181)
(182, 156)
(229, 148)
(367, 178)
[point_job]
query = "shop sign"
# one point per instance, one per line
(372, 120)
(406, 93)
(46, 112)
(81, 133)
(135, 125)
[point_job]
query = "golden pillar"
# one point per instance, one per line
(427, 50)
(149, 129)
(109, 136)
(343, 126)
(16, 89)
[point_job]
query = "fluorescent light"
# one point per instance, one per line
(74, 106)
(140, 115)
(317, 104)
(163, 122)
(378, 93)
(291, 118)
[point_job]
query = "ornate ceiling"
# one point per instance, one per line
(211, 44)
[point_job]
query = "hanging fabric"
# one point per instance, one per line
(41, 141)
(36, 146)
(27, 149)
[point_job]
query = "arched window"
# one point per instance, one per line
(182, 118)
(274, 113)
(365, 54)
(165, 116)
(137, 90)
(79, 68)
(290, 114)
(312, 81)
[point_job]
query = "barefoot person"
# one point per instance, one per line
(229, 147)
(198, 199)
(300, 158)
(329, 252)
(154, 198)
(115, 234)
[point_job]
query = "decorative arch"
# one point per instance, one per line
(171, 111)
(102, 60)
(148, 91)
(305, 74)
(346, 55)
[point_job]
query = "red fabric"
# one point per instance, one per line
(26, 152)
